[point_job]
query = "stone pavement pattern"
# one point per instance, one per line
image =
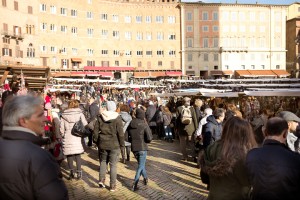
(169, 178)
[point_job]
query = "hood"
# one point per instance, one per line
(215, 166)
(69, 114)
(136, 123)
(204, 120)
(212, 119)
(109, 115)
(125, 116)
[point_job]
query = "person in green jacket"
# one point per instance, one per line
(224, 161)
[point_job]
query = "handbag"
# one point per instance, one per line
(79, 130)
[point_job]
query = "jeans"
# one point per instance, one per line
(141, 170)
(111, 157)
(168, 132)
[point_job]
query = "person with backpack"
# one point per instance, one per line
(186, 122)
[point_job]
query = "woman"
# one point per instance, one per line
(126, 119)
(136, 131)
(72, 145)
(224, 161)
(167, 118)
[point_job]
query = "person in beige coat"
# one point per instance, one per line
(72, 145)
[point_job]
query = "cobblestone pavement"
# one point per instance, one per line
(169, 178)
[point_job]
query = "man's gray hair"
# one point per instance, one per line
(19, 107)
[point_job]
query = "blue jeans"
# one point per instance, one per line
(141, 170)
(168, 132)
(111, 157)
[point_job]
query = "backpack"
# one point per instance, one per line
(186, 115)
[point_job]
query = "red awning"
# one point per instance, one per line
(173, 73)
(106, 74)
(109, 68)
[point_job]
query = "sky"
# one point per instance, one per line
(278, 2)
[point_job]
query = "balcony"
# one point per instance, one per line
(13, 35)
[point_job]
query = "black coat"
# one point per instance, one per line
(274, 171)
(212, 131)
(136, 132)
(27, 170)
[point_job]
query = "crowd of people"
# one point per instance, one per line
(232, 140)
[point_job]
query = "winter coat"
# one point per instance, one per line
(212, 131)
(71, 144)
(126, 118)
(136, 132)
(291, 142)
(226, 181)
(108, 132)
(27, 170)
(93, 111)
(150, 115)
(274, 171)
(184, 129)
(167, 118)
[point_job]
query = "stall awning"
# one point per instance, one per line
(243, 73)
(76, 74)
(157, 74)
(77, 60)
(216, 73)
(262, 72)
(173, 73)
(92, 73)
(281, 73)
(109, 68)
(227, 72)
(62, 74)
(106, 74)
(141, 74)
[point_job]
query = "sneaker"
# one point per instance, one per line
(112, 188)
(101, 184)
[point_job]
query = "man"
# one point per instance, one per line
(187, 124)
(197, 106)
(109, 136)
(151, 117)
(27, 170)
(212, 130)
(292, 139)
(274, 169)
(94, 110)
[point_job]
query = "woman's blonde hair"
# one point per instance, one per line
(73, 104)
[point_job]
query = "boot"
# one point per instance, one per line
(79, 175)
(71, 175)
(134, 186)
(145, 181)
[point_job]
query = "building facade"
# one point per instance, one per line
(221, 39)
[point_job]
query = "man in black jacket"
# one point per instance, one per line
(274, 169)
(27, 170)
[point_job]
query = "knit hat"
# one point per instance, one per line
(111, 106)
(139, 113)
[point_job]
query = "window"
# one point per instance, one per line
(64, 63)
(6, 40)
(90, 52)
(6, 52)
(205, 28)
(234, 16)
(160, 53)
(190, 67)
(30, 10)
(116, 34)
(30, 51)
(139, 36)
(52, 27)
(117, 63)
(205, 57)
(252, 66)
(278, 57)
(89, 15)
(91, 63)
(189, 42)
(29, 29)
(190, 57)
(252, 42)
(172, 36)
(148, 36)
(139, 64)
(63, 29)
(160, 36)
(189, 16)
(128, 63)
(127, 19)
(216, 42)
(226, 28)
(159, 19)
(139, 53)
(103, 17)
(104, 52)
(189, 28)
(74, 13)
(128, 53)
(242, 28)
(172, 53)
(116, 52)
(243, 56)
(277, 66)
(242, 16)
(252, 29)
(243, 67)
(262, 16)
(225, 16)
(4, 3)
(215, 16)
(90, 32)
(138, 19)
(262, 66)
(252, 56)
(115, 18)
(205, 42)
(63, 11)
(205, 16)
(252, 16)
(148, 53)
(216, 67)
(53, 50)
(43, 7)
(127, 35)
(262, 42)
(148, 19)
(262, 29)
(226, 67)
(43, 48)
(171, 19)
(215, 28)
(53, 9)
(16, 5)
(74, 30)
(63, 50)
(104, 34)
(216, 57)
(159, 63)
(44, 26)
(262, 57)
(233, 28)
(277, 42)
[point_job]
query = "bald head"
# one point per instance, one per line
(276, 126)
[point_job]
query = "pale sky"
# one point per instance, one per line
(278, 2)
